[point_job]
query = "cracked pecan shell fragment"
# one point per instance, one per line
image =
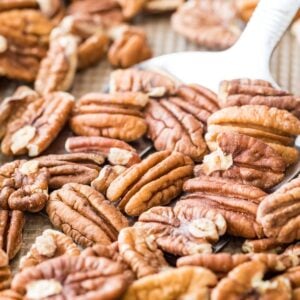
(172, 128)
(69, 277)
(156, 180)
(100, 222)
(110, 115)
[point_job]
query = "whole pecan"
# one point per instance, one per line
(77, 168)
(140, 252)
(276, 127)
(130, 46)
(110, 115)
(11, 227)
(208, 23)
(83, 214)
(244, 159)
(24, 36)
(48, 245)
(117, 152)
(181, 232)
(172, 128)
(5, 273)
(181, 283)
(133, 80)
(70, 277)
(154, 181)
(235, 201)
(23, 186)
(162, 6)
(36, 125)
(257, 92)
(278, 213)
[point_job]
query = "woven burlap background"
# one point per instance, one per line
(285, 68)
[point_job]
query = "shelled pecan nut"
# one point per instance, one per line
(36, 125)
(276, 127)
(130, 8)
(130, 46)
(24, 36)
(244, 159)
(172, 128)
(11, 227)
(99, 222)
(154, 84)
(72, 277)
(110, 115)
(208, 23)
(23, 186)
(236, 202)
(155, 181)
(278, 213)
(5, 273)
(50, 244)
(181, 283)
(162, 6)
(117, 152)
(76, 167)
(140, 252)
(108, 251)
(181, 232)
(10, 295)
(261, 245)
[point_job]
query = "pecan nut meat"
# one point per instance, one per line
(11, 227)
(156, 180)
(130, 46)
(172, 128)
(244, 159)
(72, 277)
(50, 244)
(100, 222)
(261, 245)
(110, 115)
(130, 8)
(236, 202)
(10, 295)
(162, 6)
(23, 186)
(181, 283)
(5, 273)
(278, 213)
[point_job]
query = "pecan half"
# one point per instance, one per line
(11, 227)
(110, 115)
(208, 23)
(261, 245)
(72, 277)
(162, 6)
(274, 126)
(77, 168)
(99, 222)
(5, 273)
(35, 126)
(155, 181)
(172, 128)
(278, 213)
(236, 202)
(130, 46)
(117, 152)
(24, 36)
(133, 80)
(48, 245)
(244, 159)
(181, 283)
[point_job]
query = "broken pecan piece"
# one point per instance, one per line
(117, 152)
(110, 115)
(77, 168)
(11, 227)
(154, 84)
(100, 221)
(130, 46)
(276, 127)
(244, 159)
(172, 128)
(5, 273)
(156, 180)
(236, 202)
(181, 283)
(279, 213)
(72, 277)
(50, 244)
(208, 23)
